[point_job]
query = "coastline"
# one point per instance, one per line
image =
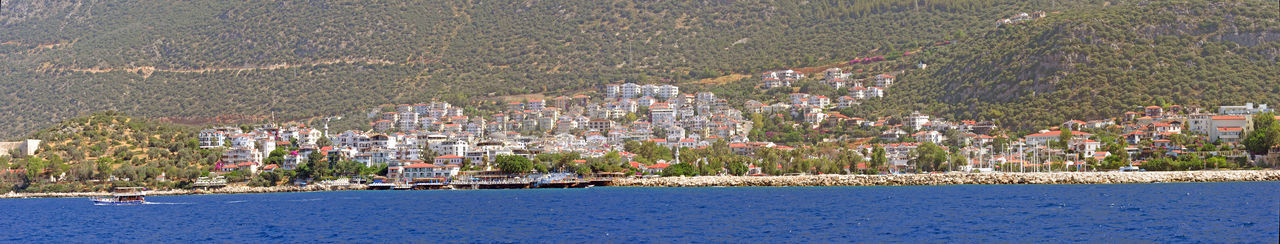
(239, 189)
(958, 179)
(997, 178)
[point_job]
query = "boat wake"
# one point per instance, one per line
(167, 203)
(236, 201)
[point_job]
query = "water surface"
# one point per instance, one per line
(1178, 212)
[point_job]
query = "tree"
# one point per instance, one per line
(1265, 134)
(736, 168)
(680, 169)
(324, 142)
(929, 156)
(1064, 138)
(877, 157)
(999, 144)
(514, 164)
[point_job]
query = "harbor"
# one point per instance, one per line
(493, 180)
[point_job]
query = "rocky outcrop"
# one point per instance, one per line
(957, 179)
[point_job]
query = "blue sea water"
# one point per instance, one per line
(1247, 212)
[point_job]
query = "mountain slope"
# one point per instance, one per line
(82, 153)
(299, 59)
(1095, 63)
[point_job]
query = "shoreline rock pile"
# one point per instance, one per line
(957, 179)
(233, 189)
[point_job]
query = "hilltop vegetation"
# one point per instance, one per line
(85, 152)
(301, 59)
(1098, 62)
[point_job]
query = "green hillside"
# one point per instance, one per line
(297, 59)
(1098, 62)
(82, 153)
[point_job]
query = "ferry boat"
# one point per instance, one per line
(123, 196)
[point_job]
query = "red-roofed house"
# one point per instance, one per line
(1154, 111)
(656, 168)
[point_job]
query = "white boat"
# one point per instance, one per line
(123, 196)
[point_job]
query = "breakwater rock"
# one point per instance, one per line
(232, 189)
(957, 179)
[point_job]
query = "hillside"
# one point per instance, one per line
(300, 59)
(83, 152)
(1096, 63)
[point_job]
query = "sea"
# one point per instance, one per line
(1233, 212)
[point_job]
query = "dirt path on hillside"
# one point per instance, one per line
(146, 71)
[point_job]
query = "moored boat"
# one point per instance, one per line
(123, 196)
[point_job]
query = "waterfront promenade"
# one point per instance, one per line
(958, 179)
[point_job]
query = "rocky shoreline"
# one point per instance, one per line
(235, 189)
(805, 180)
(958, 179)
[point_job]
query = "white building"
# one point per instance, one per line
(425, 170)
(450, 147)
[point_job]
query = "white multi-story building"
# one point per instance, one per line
(535, 104)
(612, 90)
(884, 80)
(662, 115)
(450, 147)
(704, 97)
(668, 91)
(916, 120)
(630, 90)
(1247, 109)
(649, 90)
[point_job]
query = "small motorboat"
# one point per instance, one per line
(123, 196)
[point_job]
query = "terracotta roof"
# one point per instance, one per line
(449, 157)
(1228, 118)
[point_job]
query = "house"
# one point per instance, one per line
(820, 101)
(749, 148)
(934, 137)
(1154, 111)
(1073, 124)
(1228, 134)
(656, 168)
(884, 80)
(1230, 129)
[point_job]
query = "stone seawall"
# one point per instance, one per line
(234, 189)
(957, 179)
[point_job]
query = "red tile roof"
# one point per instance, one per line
(421, 165)
(449, 157)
